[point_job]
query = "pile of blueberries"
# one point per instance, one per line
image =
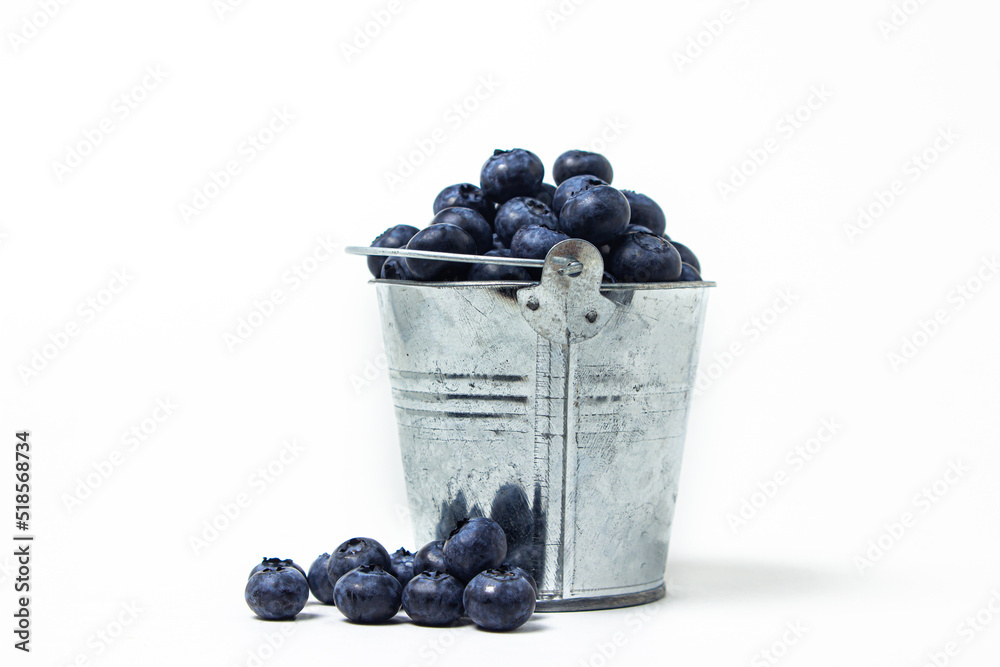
(445, 580)
(512, 213)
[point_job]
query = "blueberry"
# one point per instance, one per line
(467, 195)
(509, 174)
(576, 163)
(441, 238)
(499, 600)
(491, 272)
(275, 563)
(534, 241)
(597, 215)
(546, 194)
(472, 222)
(477, 544)
(354, 552)
(608, 278)
(524, 573)
(646, 212)
(571, 187)
(395, 269)
(689, 274)
(277, 594)
(686, 255)
(433, 598)
(401, 565)
(430, 558)
(521, 212)
(498, 244)
(319, 579)
(368, 594)
(645, 258)
(394, 237)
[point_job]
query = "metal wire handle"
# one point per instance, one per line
(571, 266)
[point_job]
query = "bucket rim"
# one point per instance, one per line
(605, 287)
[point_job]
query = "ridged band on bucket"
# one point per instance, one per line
(557, 408)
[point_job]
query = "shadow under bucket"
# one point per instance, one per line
(557, 408)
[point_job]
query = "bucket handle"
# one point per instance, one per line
(565, 307)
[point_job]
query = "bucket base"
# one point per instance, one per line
(603, 602)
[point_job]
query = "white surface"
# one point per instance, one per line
(310, 371)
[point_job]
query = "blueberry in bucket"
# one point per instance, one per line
(576, 163)
(477, 544)
(599, 215)
(491, 272)
(395, 269)
(571, 187)
(444, 237)
(686, 255)
(509, 174)
(534, 241)
(277, 594)
(644, 258)
(468, 196)
(394, 237)
(472, 222)
(645, 212)
(368, 594)
(520, 212)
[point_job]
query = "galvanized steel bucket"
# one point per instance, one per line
(557, 408)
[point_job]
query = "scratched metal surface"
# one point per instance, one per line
(574, 448)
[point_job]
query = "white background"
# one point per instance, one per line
(312, 371)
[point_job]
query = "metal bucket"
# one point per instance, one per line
(557, 408)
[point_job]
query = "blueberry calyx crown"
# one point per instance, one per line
(369, 569)
(402, 551)
(353, 546)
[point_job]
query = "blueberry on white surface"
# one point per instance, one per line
(319, 579)
(277, 594)
(275, 563)
(368, 594)
(430, 558)
(355, 552)
(401, 565)
(499, 600)
(433, 598)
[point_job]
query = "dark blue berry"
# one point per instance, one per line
(576, 163)
(275, 563)
(644, 258)
(686, 255)
(598, 215)
(477, 544)
(509, 174)
(499, 600)
(631, 229)
(498, 244)
(467, 195)
(394, 237)
(368, 594)
(319, 579)
(471, 221)
(353, 553)
(433, 598)
(646, 212)
(395, 269)
(523, 572)
(521, 212)
(689, 274)
(278, 594)
(571, 187)
(401, 565)
(440, 238)
(430, 558)
(546, 194)
(534, 241)
(491, 272)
